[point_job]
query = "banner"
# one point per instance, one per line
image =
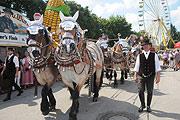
(12, 39)
(12, 28)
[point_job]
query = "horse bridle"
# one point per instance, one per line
(76, 56)
(37, 45)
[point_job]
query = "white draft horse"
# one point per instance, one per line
(77, 61)
(40, 49)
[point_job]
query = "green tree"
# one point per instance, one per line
(86, 19)
(27, 7)
(117, 25)
(175, 35)
(97, 26)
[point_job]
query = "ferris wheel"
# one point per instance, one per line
(154, 20)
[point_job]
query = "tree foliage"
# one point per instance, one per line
(175, 36)
(27, 7)
(97, 25)
(87, 20)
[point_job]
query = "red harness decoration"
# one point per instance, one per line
(50, 62)
(71, 65)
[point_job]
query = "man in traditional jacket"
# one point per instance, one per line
(6, 24)
(11, 68)
(146, 68)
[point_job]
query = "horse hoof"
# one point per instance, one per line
(115, 86)
(122, 83)
(52, 108)
(70, 97)
(72, 118)
(95, 99)
(45, 112)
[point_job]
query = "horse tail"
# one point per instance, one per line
(95, 83)
(101, 79)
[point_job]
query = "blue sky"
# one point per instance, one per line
(128, 9)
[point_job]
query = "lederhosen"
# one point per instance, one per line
(11, 71)
(146, 74)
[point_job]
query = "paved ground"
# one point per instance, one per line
(124, 99)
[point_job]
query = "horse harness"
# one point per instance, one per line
(43, 61)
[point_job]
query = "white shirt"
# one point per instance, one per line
(23, 60)
(15, 60)
(157, 65)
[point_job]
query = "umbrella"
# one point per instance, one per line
(177, 45)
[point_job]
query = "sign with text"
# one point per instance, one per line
(12, 40)
(12, 28)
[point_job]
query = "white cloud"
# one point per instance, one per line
(130, 4)
(89, 3)
(106, 8)
(133, 19)
(175, 17)
(172, 2)
(127, 8)
(99, 10)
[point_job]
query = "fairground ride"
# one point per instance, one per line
(154, 21)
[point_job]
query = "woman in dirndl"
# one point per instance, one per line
(27, 74)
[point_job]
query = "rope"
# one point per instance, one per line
(91, 80)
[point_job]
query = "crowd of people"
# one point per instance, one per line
(171, 58)
(23, 77)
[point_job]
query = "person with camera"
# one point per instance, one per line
(11, 68)
(27, 75)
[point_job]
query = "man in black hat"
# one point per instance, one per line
(147, 65)
(11, 68)
(6, 24)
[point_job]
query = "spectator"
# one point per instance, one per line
(165, 58)
(1, 77)
(27, 75)
(177, 60)
(10, 69)
(159, 55)
(17, 80)
(171, 60)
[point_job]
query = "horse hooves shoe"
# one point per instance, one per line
(19, 93)
(95, 99)
(6, 99)
(72, 118)
(122, 83)
(115, 86)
